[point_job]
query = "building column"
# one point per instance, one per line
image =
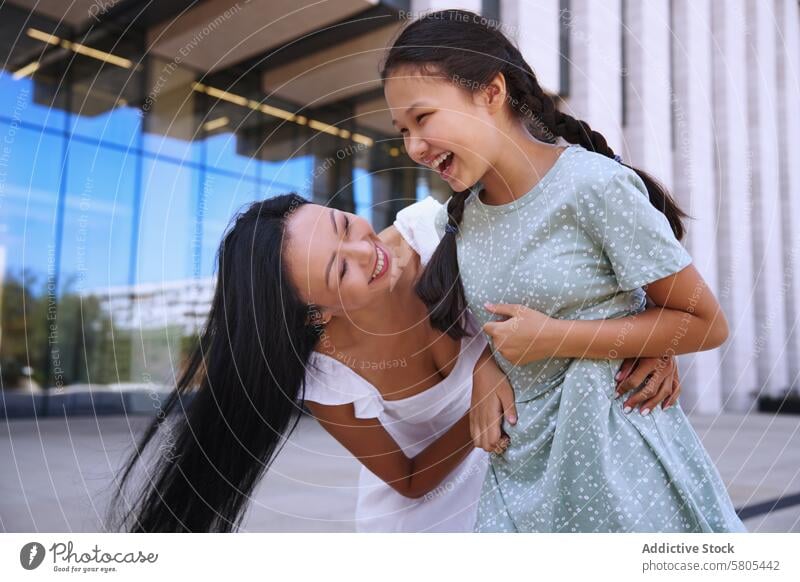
(595, 94)
(732, 156)
(766, 218)
(419, 6)
(787, 46)
(693, 183)
(534, 26)
(647, 107)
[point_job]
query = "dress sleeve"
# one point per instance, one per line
(330, 382)
(634, 235)
(416, 224)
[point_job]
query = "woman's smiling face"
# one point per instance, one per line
(335, 259)
(444, 126)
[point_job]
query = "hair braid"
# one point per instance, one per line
(544, 108)
(440, 286)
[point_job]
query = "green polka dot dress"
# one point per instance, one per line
(580, 245)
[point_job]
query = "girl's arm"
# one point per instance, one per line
(369, 442)
(687, 319)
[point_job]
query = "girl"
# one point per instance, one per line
(310, 302)
(560, 235)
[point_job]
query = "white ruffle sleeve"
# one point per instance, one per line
(330, 382)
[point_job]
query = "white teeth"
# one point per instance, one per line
(439, 159)
(379, 266)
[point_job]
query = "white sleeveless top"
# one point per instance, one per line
(414, 422)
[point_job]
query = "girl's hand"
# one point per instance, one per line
(492, 399)
(526, 336)
(656, 378)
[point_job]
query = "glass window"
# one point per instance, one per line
(98, 216)
(168, 221)
(31, 101)
(289, 175)
(106, 91)
(172, 126)
(223, 196)
(362, 188)
(117, 124)
(30, 170)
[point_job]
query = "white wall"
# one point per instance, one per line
(596, 66)
(787, 44)
(693, 183)
(418, 6)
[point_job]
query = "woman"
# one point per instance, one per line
(304, 295)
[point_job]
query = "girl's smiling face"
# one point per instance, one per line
(444, 126)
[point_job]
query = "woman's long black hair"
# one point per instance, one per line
(461, 45)
(246, 372)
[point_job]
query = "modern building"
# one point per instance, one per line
(131, 132)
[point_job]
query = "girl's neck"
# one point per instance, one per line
(523, 162)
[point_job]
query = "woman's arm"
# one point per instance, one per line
(688, 319)
(492, 399)
(369, 442)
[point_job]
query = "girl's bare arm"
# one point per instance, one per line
(687, 318)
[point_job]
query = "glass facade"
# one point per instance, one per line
(119, 173)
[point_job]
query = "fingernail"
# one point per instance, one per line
(617, 395)
(627, 409)
(618, 375)
(645, 412)
(488, 305)
(512, 419)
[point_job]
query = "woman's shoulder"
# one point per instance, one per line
(332, 383)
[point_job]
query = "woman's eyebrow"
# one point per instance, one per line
(333, 256)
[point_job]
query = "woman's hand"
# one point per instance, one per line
(492, 399)
(656, 378)
(526, 336)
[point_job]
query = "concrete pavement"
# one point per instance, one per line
(56, 473)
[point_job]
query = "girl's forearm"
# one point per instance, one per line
(429, 468)
(655, 332)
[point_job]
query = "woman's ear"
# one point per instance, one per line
(493, 95)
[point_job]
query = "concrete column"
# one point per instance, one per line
(693, 184)
(766, 217)
(732, 155)
(418, 6)
(534, 26)
(647, 88)
(596, 67)
(787, 44)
